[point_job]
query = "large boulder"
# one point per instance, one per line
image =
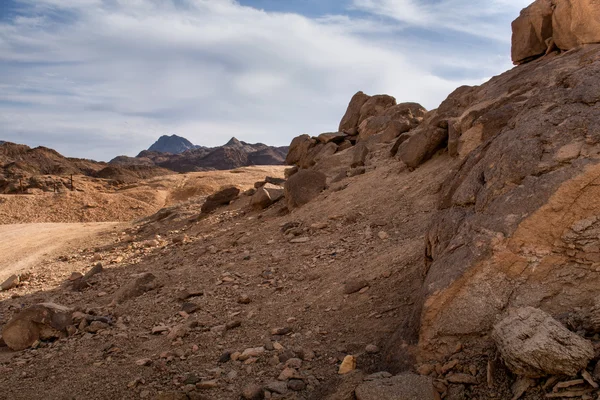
(349, 123)
(221, 198)
(575, 22)
(304, 186)
(534, 344)
(400, 387)
(38, 322)
(376, 105)
(265, 196)
(298, 149)
(531, 30)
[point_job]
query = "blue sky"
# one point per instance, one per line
(99, 78)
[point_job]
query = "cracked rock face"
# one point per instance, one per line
(517, 221)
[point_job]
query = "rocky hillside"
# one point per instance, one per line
(233, 154)
(412, 254)
(171, 144)
(24, 169)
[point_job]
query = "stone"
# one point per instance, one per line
(336, 137)
(220, 198)
(348, 365)
(10, 283)
(144, 362)
(296, 385)
(299, 149)
(178, 331)
(295, 363)
(372, 349)
(303, 187)
(189, 308)
(204, 385)
(533, 344)
(253, 352)
(82, 282)
(96, 326)
(137, 286)
(278, 387)
(280, 331)
(350, 120)
(253, 392)
(399, 387)
(286, 374)
(266, 195)
(244, 299)
(465, 379)
(359, 155)
(39, 322)
(530, 31)
(355, 285)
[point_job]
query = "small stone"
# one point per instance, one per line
(178, 331)
(96, 326)
(10, 283)
(278, 346)
(244, 299)
(235, 356)
(189, 308)
(372, 349)
(383, 235)
(378, 375)
(465, 379)
(348, 365)
(295, 363)
(286, 374)
(159, 329)
(251, 352)
(226, 356)
(233, 325)
(144, 362)
(277, 387)
(355, 285)
(253, 392)
(296, 385)
(204, 385)
(281, 331)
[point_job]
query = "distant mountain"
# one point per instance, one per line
(171, 144)
(22, 165)
(233, 154)
(2, 142)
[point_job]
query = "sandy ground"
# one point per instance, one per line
(25, 245)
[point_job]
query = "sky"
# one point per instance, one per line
(101, 78)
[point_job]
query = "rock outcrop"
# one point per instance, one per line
(517, 216)
(400, 387)
(565, 24)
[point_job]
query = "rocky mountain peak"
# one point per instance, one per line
(234, 142)
(172, 144)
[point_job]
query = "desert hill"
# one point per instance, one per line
(233, 154)
(411, 254)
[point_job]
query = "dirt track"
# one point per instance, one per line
(24, 245)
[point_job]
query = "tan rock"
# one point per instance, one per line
(533, 344)
(350, 121)
(575, 23)
(41, 321)
(348, 365)
(375, 106)
(531, 30)
(303, 186)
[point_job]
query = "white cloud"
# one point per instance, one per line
(121, 73)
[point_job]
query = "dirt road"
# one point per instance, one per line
(24, 245)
